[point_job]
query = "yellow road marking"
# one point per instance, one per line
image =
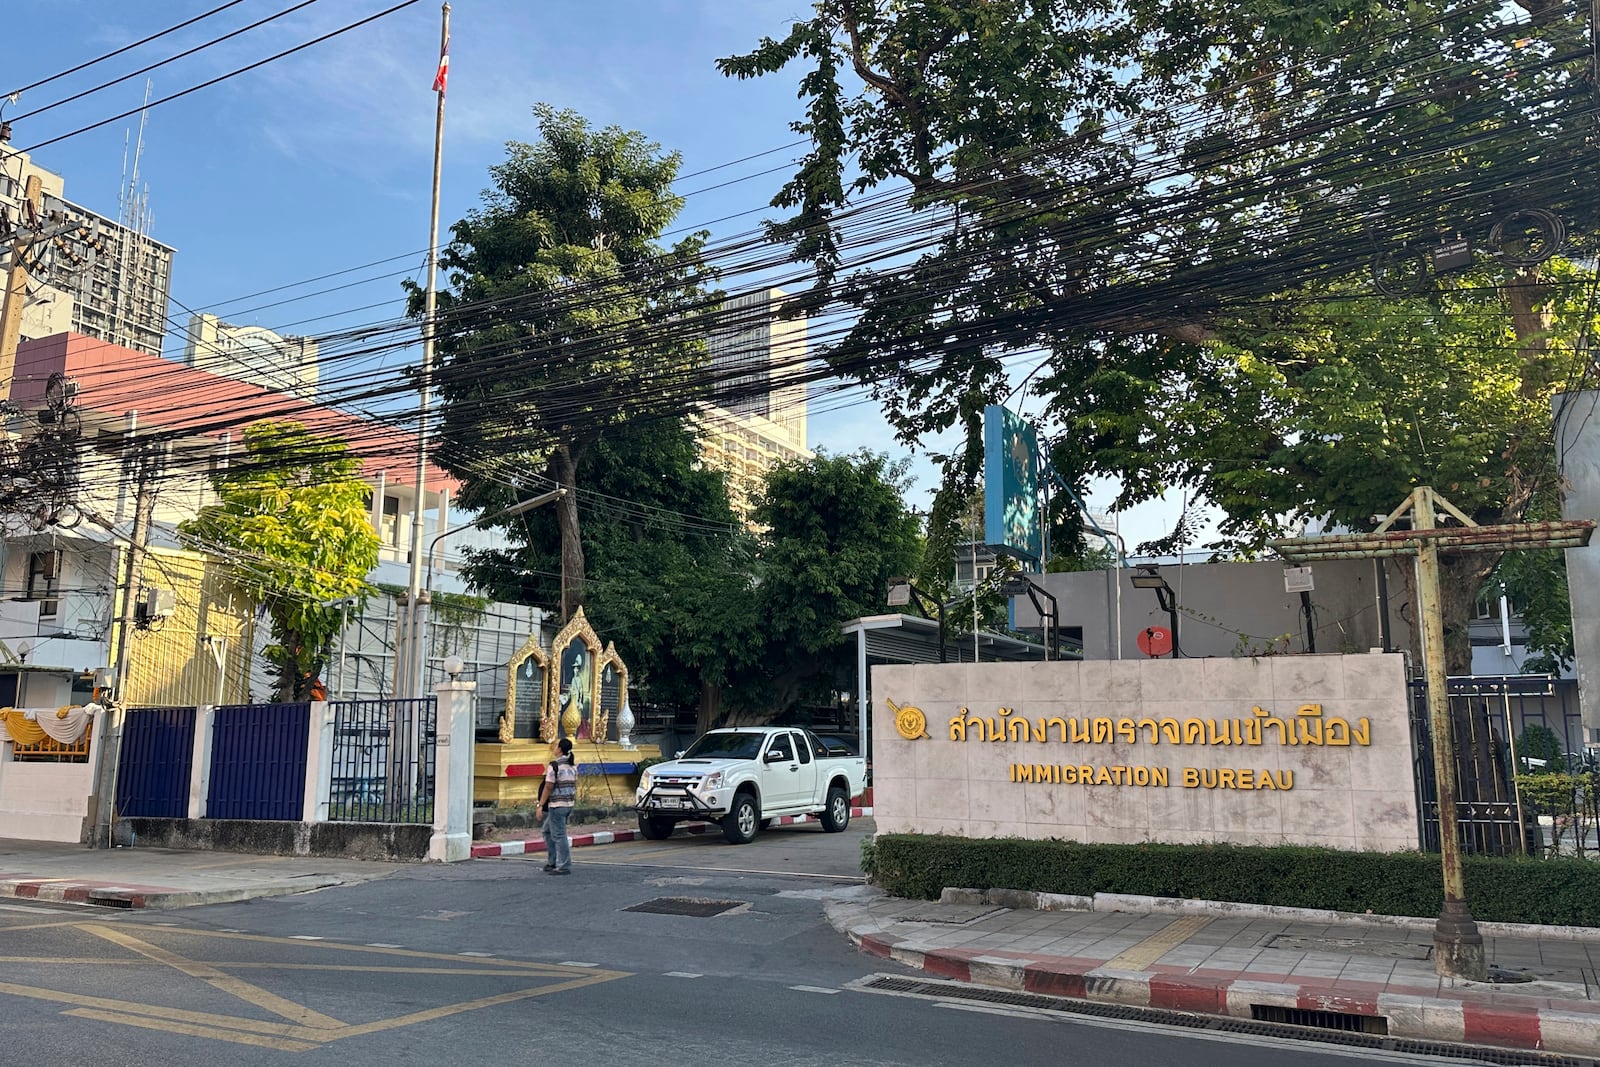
(544, 969)
(41, 926)
(227, 983)
(447, 1010)
(307, 1029)
(161, 1011)
(1141, 956)
(282, 1044)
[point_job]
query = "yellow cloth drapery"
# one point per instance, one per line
(65, 725)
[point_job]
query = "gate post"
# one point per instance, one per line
(200, 764)
(319, 763)
(452, 773)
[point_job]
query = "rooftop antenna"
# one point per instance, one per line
(133, 211)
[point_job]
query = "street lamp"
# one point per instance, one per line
(1148, 576)
(901, 592)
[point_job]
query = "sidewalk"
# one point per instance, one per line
(1245, 961)
(165, 878)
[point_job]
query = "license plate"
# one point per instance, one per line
(670, 802)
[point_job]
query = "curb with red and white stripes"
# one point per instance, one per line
(59, 892)
(488, 850)
(1427, 1014)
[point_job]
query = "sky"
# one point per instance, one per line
(322, 161)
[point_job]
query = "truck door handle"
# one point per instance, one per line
(794, 769)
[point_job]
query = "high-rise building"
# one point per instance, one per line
(120, 296)
(757, 416)
(251, 354)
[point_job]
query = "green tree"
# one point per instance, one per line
(1148, 192)
(672, 571)
(554, 331)
(293, 522)
(837, 529)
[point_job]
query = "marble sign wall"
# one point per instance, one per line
(1274, 750)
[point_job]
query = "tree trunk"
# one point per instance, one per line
(710, 716)
(563, 468)
(1460, 578)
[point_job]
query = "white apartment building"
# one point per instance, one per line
(252, 354)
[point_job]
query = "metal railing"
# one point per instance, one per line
(383, 760)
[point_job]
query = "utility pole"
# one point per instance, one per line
(145, 460)
(17, 283)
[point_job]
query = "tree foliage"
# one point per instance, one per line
(530, 381)
(293, 523)
(1187, 212)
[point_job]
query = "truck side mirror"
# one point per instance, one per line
(776, 756)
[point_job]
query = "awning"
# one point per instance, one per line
(913, 639)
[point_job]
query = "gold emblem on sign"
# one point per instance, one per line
(909, 720)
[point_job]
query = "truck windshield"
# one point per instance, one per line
(737, 745)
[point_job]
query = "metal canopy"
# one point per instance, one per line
(913, 639)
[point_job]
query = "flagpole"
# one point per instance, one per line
(409, 674)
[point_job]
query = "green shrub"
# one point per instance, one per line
(1558, 892)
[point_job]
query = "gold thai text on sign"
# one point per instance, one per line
(1307, 726)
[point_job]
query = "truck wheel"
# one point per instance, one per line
(739, 826)
(836, 816)
(656, 827)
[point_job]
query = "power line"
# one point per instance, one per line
(161, 63)
(125, 48)
(221, 77)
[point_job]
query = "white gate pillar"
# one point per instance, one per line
(452, 773)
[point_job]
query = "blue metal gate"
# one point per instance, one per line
(258, 761)
(155, 761)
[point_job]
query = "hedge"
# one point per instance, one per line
(1562, 892)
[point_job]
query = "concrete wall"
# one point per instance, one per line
(43, 801)
(1229, 609)
(1580, 499)
(1354, 796)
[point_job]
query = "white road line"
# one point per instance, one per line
(576, 963)
(812, 989)
(305, 937)
(683, 974)
(480, 955)
(380, 944)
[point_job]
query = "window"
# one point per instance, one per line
(44, 581)
(802, 748)
(780, 743)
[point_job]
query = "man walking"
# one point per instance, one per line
(556, 799)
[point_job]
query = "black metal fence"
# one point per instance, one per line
(383, 760)
(1487, 715)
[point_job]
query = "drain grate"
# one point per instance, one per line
(1304, 1031)
(1322, 1020)
(698, 909)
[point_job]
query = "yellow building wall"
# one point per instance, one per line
(200, 654)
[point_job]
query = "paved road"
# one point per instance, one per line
(494, 962)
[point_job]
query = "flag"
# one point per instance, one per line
(443, 74)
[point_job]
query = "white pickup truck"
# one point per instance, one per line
(743, 777)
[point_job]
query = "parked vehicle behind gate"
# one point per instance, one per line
(744, 777)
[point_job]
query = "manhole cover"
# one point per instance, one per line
(1393, 950)
(699, 909)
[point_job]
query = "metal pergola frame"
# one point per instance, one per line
(1458, 946)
